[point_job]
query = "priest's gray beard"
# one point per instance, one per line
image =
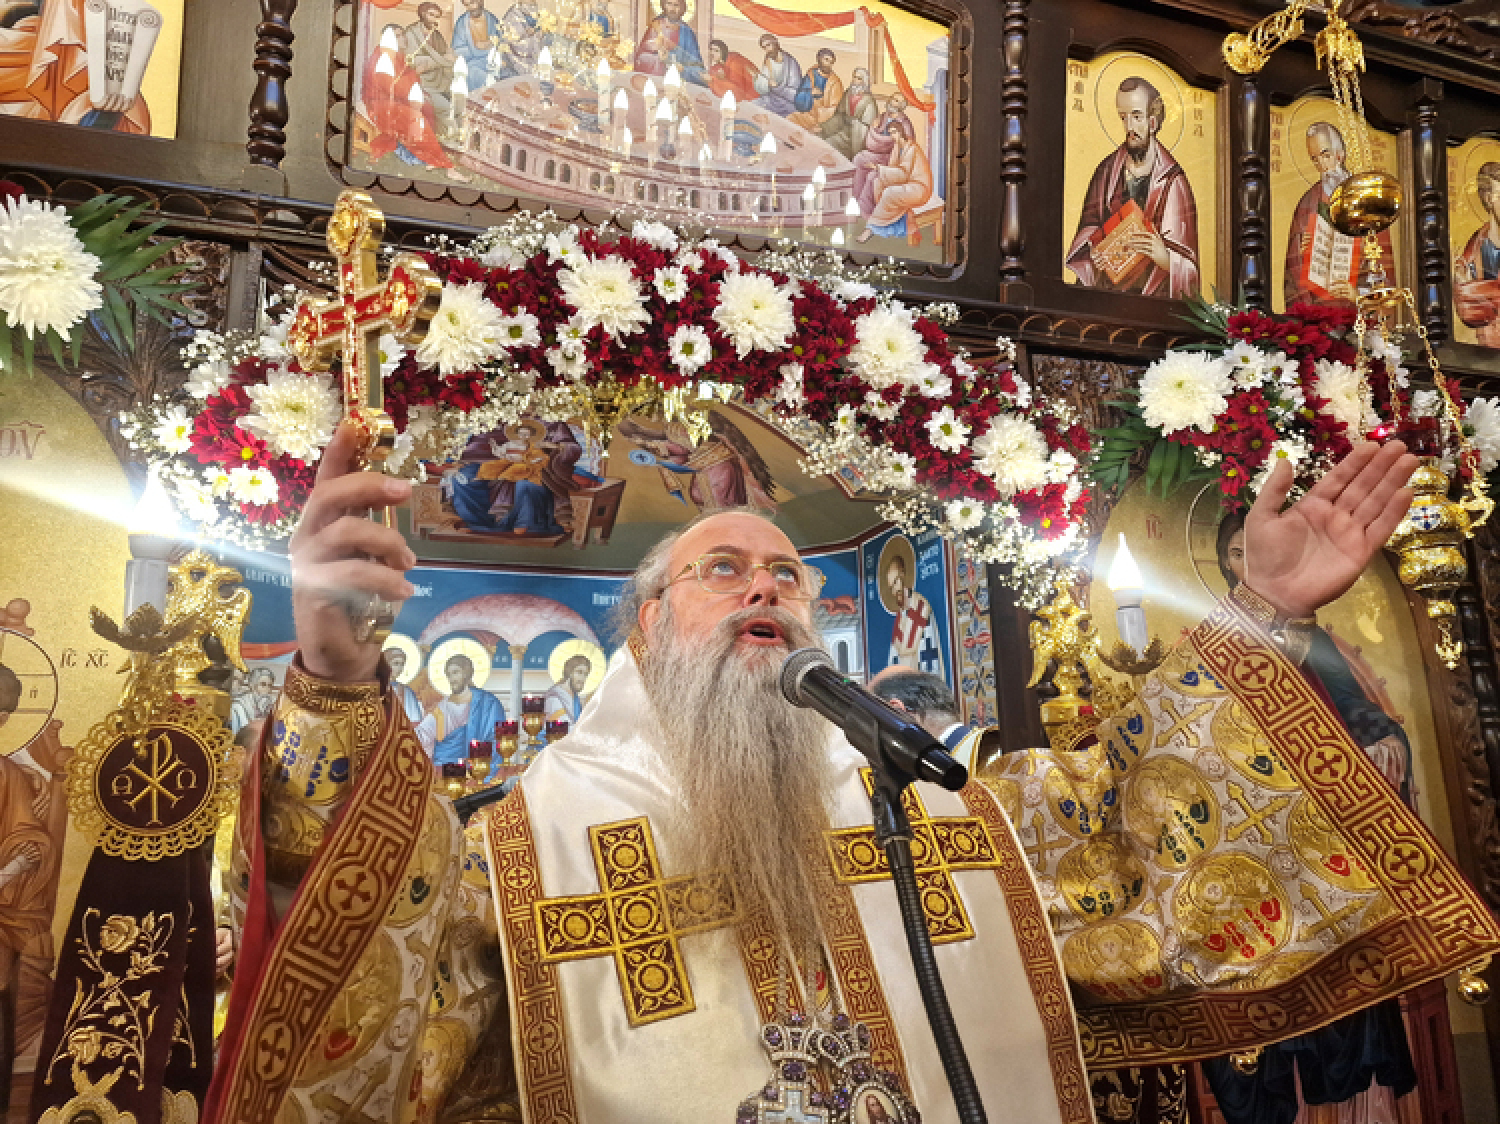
(752, 771)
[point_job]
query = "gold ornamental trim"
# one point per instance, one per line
(153, 794)
(1438, 924)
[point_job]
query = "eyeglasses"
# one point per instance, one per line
(732, 573)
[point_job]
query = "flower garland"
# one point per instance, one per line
(58, 266)
(1270, 387)
(536, 314)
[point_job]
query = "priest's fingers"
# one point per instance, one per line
(340, 581)
(341, 455)
(351, 536)
(1333, 482)
(1370, 476)
(1273, 494)
(1382, 526)
(342, 495)
(1377, 493)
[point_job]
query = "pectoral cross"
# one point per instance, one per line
(349, 329)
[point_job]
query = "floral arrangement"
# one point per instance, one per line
(58, 266)
(1267, 387)
(538, 317)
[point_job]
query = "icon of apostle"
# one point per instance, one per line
(1138, 232)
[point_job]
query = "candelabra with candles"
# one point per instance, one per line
(154, 535)
(1137, 652)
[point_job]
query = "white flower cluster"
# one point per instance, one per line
(47, 281)
(1483, 427)
(295, 414)
(1185, 390)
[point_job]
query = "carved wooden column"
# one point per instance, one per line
(1429, 181)
(1013, 142)
(1478, 602)
(1250, 134)
(273, 65)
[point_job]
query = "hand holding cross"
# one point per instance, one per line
(345, 549)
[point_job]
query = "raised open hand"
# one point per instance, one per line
(1304, 557)
(338, 554)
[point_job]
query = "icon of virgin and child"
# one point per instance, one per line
(514, 481)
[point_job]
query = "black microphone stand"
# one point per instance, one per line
(893, 833)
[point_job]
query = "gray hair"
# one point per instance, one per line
(652, 576)
(1329, 134)
(926, 696)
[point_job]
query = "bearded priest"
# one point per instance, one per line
(679, 914)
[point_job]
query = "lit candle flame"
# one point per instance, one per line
(851, 208)
(768, 145)
(1123, 572)
(727, 104)
(820, 177)
(673, 79)
(388, 40)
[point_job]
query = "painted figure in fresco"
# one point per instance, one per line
(914, 636)
(896, 189)
(730, 72)
(724, 471)
(1476, 271)
(403, 119)
(604, 30)
(467, 714)
(880, 143)
(564, 701)
(819, 95)
(475, 33)
(255, 702)
(44, 71)
(1138, 232)
(521, 41)
(517, 485)
(33, 816)
(427, 53)
(669, 40)
(396, 659)
(850, 121)
(779, 79)
(1363, 1059)
(1322, 265)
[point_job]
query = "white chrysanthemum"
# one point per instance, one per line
(1426, 404)
(964, 514)
(46, 276)
(1013, 453)
(946, 432)
(573, 331)
(207, 379)
(520, 330)
(1484, 418)
(568, 360)
(294, 414)
(217, 479)
(1344, 391)
(657, 234)
(847, 420)
(690, 261)
(563, 246)
(174, 432)
(878, 408)
(272, 342)
(605, 292)
(932, 382)
(887, 348)
(672, 284)
(690, 348)
(1294, 449)
(1282, 368)
(253, 485)
(1243, 353)
(901, 471)
(195, 500)
(754, 313)
(392, 352)
(790, 393)
(502, 255)
(1062, 465)
(851, 291)
(1183, 389)
(465, 332)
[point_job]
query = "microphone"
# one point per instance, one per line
(881, 733)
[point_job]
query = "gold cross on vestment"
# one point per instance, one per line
(636, 917)
(938, 847)
(349, 327)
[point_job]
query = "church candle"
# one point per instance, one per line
(728, 107)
